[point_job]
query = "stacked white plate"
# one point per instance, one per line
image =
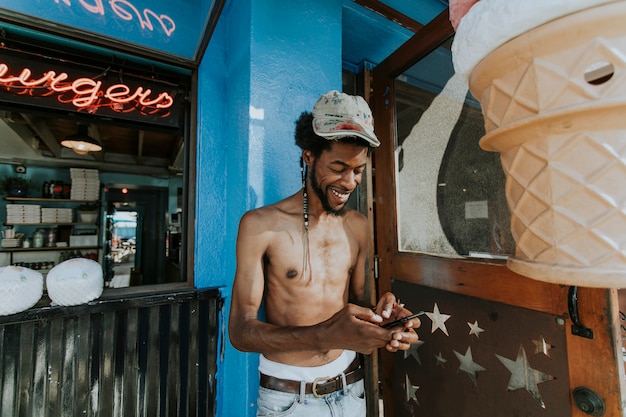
(56, 215)
(85, 184)
(23, 213)
(11, 242)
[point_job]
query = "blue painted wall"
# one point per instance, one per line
(268, 61)
(172, 27)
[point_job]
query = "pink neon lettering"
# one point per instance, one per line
(24, 76)
(163, 101)
(118, 7)
(113, 96)
(87, 93)
(120, 12)
(125, 10)
(162, 19)
(9, 79)
(97, 8)
(60, 88)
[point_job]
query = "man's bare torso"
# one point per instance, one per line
(294, 297)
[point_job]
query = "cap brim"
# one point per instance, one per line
(336, 128)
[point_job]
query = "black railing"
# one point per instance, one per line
(139, 356)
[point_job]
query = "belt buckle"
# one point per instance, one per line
(314, 387)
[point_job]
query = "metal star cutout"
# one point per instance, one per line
(523, 376)
(412, 351)
(541, 346)
(438, 320)
(440, 360)
(410, 390)
(474, 329)
(468, 365)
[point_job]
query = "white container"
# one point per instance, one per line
(75, 281)
(83, 240)
(20, 289)
(88, 216)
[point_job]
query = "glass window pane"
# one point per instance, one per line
(450, 192)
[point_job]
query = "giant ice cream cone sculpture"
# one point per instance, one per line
(554, 103)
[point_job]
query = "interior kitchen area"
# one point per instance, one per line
(58, 208)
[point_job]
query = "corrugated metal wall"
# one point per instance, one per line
(142, 356)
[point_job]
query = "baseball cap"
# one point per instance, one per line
(337, 115)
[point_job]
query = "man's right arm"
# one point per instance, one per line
(247, 333)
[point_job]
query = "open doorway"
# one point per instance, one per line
(136, 235)
(123, 227)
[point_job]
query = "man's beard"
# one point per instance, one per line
(322, 196)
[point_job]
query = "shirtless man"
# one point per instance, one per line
(305, 257)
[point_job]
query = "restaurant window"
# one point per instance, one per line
(118, 198)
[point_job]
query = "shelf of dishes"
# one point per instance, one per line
(51, 200)
(21, 211)
(55, 248)
(54, 237)
(50, 224)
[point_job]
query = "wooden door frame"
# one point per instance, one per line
(594, 363)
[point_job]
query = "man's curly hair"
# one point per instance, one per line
(306, 138)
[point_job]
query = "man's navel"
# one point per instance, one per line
(292, 273)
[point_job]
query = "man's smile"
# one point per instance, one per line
(342, 196)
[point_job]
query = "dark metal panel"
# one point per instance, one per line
(193, 324)
(128, 340)
(148, 356)
(81, 398)
(172, 394)
(40, 379)
(478, 357)
(151, 377)
(68, 367)
(102, 374)
(10, 352)
(54, 353)
(26, 368)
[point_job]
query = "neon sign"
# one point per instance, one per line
(125, 10)
(87, 94)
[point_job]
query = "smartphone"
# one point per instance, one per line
(401, 321)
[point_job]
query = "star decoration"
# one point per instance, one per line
(410, 390)
(440, 360)
(523, 376)
(468, 365)
(438, 320)
(412, 351)
(541, 346)
(474, 329)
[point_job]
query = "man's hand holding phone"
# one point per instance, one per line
(401, 322)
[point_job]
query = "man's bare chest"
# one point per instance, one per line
(330, 252)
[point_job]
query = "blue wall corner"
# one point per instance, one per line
(255, 79)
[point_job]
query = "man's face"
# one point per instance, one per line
(336, 174)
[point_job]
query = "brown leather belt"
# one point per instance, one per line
(321, 387)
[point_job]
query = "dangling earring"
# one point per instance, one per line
(306, 260)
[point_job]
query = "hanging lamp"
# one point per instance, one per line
(81, 143)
